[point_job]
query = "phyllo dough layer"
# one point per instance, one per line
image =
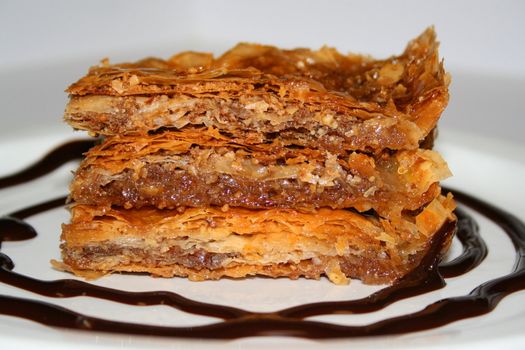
(210, 243)
(258, 93)
(200, 167)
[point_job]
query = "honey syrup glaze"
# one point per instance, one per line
(236, 322)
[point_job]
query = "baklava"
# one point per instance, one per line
(281, 163)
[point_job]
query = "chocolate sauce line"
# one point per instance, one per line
(513, 227)
(290, 322)
(54, 159)
(474, 247)
(424, 278)
(67, 288)
(415, 283)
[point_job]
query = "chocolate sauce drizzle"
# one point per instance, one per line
(236, 322)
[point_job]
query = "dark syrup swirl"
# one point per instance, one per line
(236, 323)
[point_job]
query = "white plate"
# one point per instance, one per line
(49, 46)
(476, 172)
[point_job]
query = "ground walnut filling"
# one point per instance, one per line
(167, 189)
(91, 256)
(285, 123)
(107, 257)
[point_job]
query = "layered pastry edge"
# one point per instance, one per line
(308, 98)
(200, 167)
(210, 243)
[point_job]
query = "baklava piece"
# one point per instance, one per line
(210, 243)
(282, 163)
(261, 94)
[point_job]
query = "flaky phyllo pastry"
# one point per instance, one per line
(282, 163)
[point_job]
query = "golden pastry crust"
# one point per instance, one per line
(209, 243)
(282, 163)
(308, 98)
(201, 167)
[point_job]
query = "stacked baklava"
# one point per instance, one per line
(259, 162)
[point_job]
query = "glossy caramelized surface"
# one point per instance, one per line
(353, 78)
